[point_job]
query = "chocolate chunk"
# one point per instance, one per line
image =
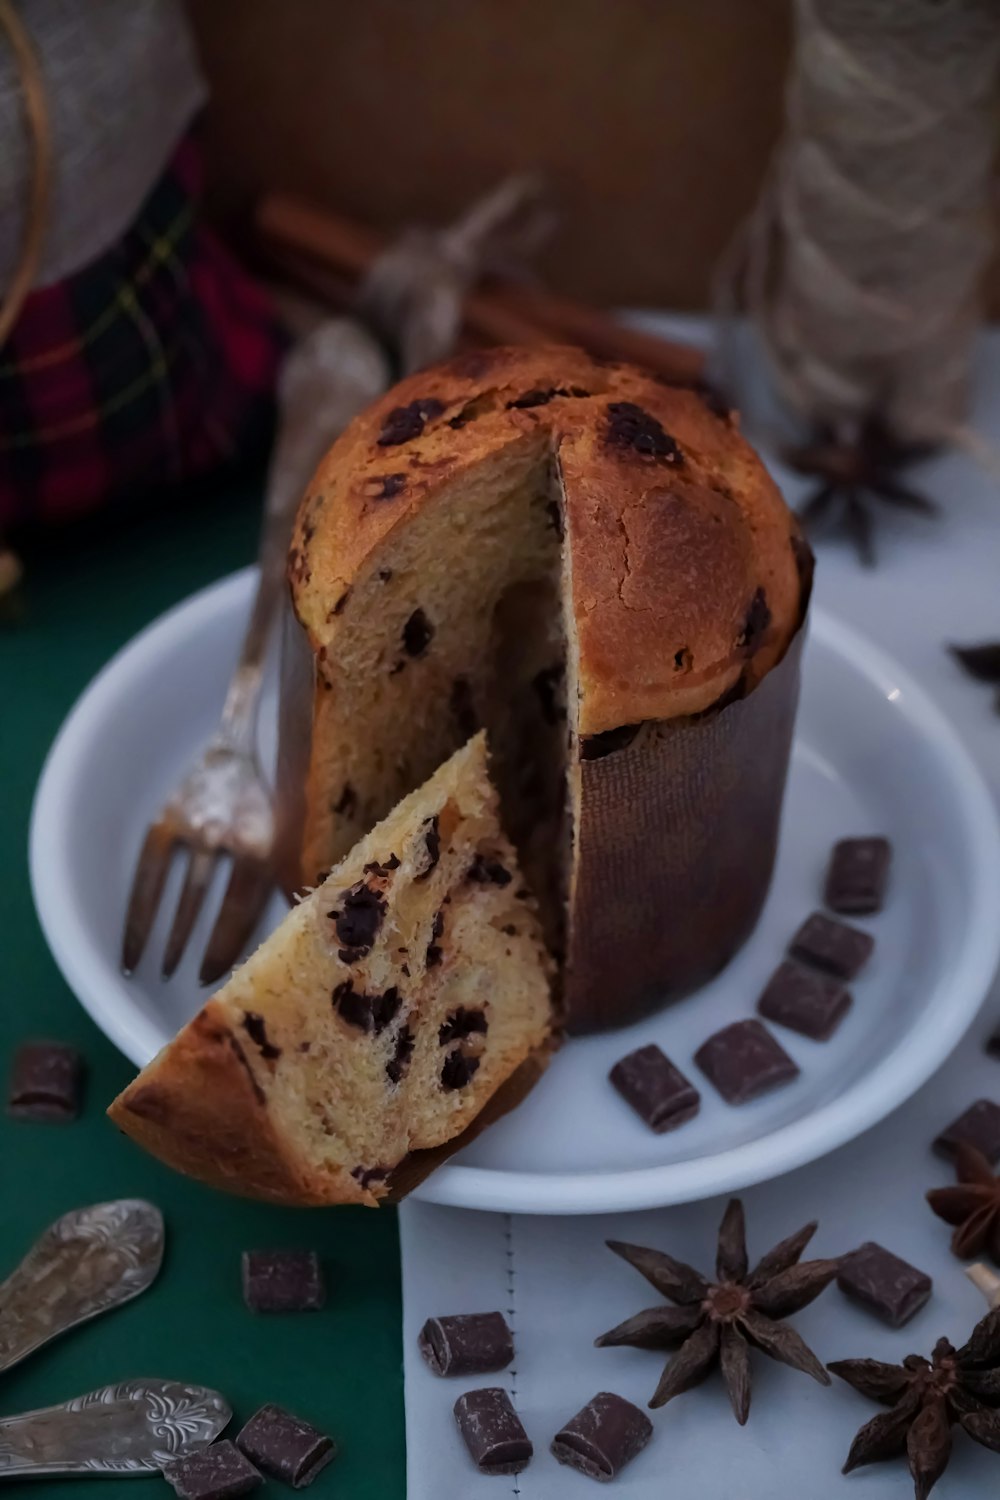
(463, 707)
(979, 1126)
(656, 1090)
(400, 1059)
(603, 1437)
(831, 946)
(385, 574)
(631, 427)
(432, 839)
(365, 1176)
(282, 1281)
(597, 746)
(284, 1446)
(418, 632)
(494, 1436)
(404, 423)
(381, 870)
(458, 1070)
(367, 1012)
(347, 803)
(462, 1023)
(358, 919)
(46, 1082)
(256, 1030)
(433, 955)
(744, 1060)
(467, 1343)
(857, 877)
(216, 1473)
(755, 626)
(890, 1288)
(486, 870)
(390, 485)
(805, 1001)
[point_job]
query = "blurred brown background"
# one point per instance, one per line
(652, 118)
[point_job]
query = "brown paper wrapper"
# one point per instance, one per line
(676, 841)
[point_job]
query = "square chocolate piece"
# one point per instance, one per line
(657, 1091)
(603, 1437)
(890, 1288)
(216, 1473)
(805, 1001)
(744, 1060)
(831, 946)
(283, 1281)
(467, 1343)
(46, 1082)
(285, 1447)
(492, 1431)
(858, 875)
(979, 1126)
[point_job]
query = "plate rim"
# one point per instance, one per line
(877, 1094)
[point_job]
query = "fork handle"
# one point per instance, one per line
(328, 377)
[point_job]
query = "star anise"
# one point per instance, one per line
(981, 662)
(715, 1322)
(926, 1398)
(856, 468)
(972, 1205)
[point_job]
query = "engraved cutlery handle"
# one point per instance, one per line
(87, 1262)
(132, 1428)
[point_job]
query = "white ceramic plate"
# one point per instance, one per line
(872, 754)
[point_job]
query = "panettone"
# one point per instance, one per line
(394, 1002)
(598, 569)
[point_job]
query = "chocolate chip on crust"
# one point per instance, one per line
(404, 423)
(365, 1176)
(755, 626)
(629, 426)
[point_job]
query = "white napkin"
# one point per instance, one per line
(560, 1287)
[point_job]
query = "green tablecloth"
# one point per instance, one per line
(339, 1368)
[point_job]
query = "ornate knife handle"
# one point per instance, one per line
(86, 1263)
(132, 1428)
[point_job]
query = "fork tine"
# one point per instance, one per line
(196, 883)
(147, 887)
(250, 886)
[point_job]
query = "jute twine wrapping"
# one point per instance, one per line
(862, 264)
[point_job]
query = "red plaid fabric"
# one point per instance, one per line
(153, 364)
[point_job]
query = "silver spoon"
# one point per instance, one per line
(87, 1262)
(132, 1428)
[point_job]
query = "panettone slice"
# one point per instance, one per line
(377, 1022)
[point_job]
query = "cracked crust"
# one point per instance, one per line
(684, 559)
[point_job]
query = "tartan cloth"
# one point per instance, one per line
(152, 364)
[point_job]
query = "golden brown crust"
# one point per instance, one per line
(198, 1108)
(683, 564)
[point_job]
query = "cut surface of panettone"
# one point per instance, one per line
(572, 555)
(377, 1021)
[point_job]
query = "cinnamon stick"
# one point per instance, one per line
(297, 234)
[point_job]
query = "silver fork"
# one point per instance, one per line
(223, 805)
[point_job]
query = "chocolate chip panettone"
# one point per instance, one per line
(393, 1003)
(598, 569)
